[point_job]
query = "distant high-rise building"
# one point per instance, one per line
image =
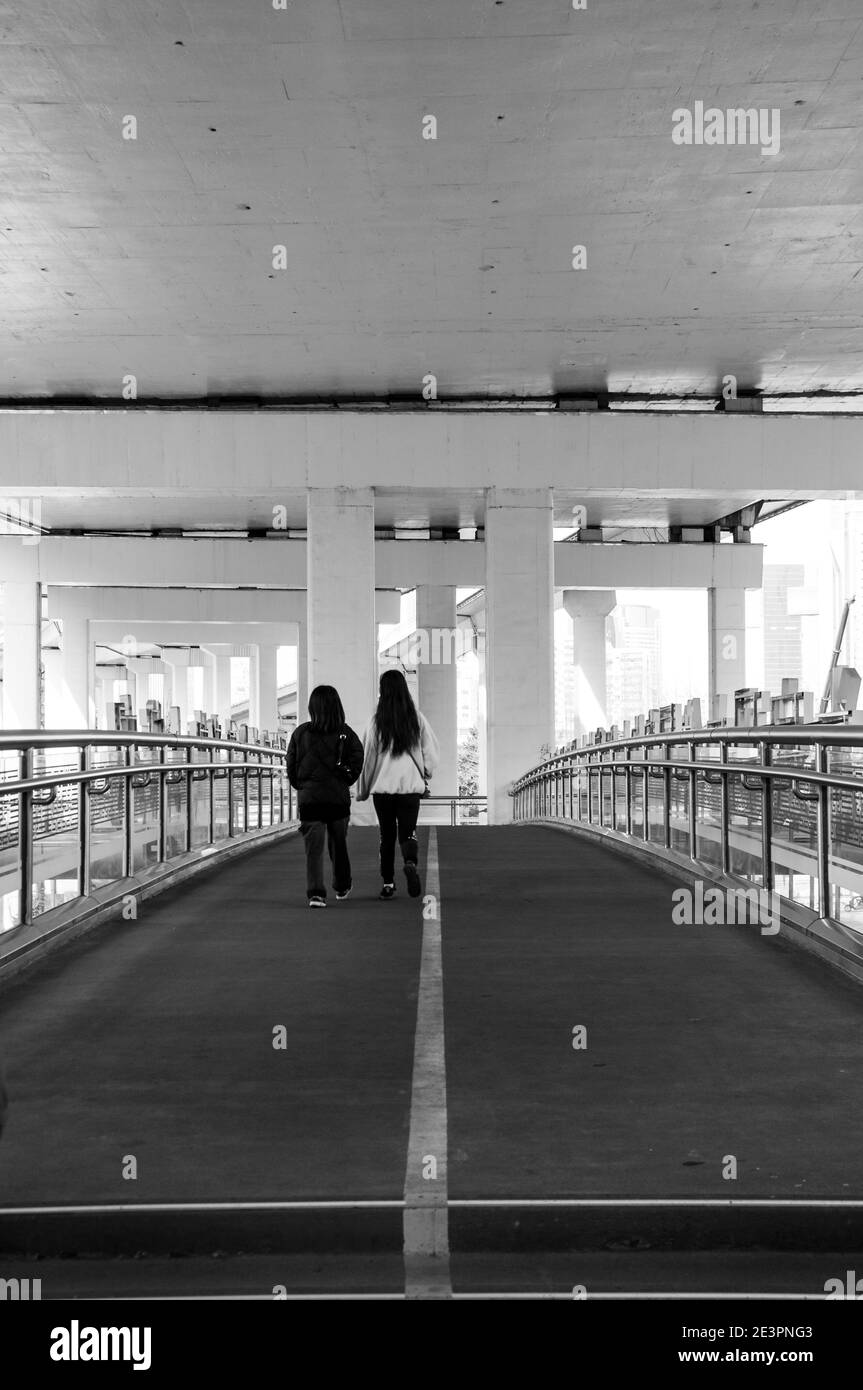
(783, 630)
(634, 662)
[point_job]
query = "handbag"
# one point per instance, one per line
(421, 771)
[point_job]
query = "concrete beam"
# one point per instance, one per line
(235, 636)
(169, 452)
(95, 561)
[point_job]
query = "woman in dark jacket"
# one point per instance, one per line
(325, 757)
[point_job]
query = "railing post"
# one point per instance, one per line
(189, 788)
(628, 782)
(128, 821)
(271, 762)
(693, 800)
(765, 750)
(25, 838)
(824, 904)
(645, 795)
(245, 792)
(724, 807)
(211, 787)
(163, 806)
(84, 829)
(667, 796)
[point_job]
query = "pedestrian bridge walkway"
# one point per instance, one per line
(531, 1079)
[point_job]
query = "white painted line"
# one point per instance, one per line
(178, 1207)
(480, 1203)
(368, 1297)
(792, 1203)
(426, 1233)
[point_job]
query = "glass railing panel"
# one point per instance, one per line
(620, 799)
(708, 821)
(56, 831)
(200, 826)
(237, 781)
(846, 839)
(10, 825)
(678, 811)
(106, 810)
(144, 801)
(745, 820)
(636, 799)
(794, 844)
(176, 799)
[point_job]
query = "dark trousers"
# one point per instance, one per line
(397, 817)
(335, 833)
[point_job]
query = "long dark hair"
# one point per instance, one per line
(396, 719)
(326, 712)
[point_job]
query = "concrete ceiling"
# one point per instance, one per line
(405, 256)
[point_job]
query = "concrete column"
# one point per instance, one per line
(263, 689)
(22, 655)
(520, 638)
(166, 699)
(437, 648)
(481, 709)
(179, 666)
(726, 617)
(222, 707)
(303, 674)
(589, 609)
(340, 558)
(70, 679)
(140, 668)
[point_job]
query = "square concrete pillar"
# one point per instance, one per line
(222, 693)
(303, 675)
(726, 651)
(70, 679)
(263, 689)
(22, 655)
(589, 609)
(519, 638)
(437, 647)
(340, 550)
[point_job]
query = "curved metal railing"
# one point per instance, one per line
(82, 809)
(777, 808)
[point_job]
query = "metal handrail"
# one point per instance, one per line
(35, 793)
(564, 788)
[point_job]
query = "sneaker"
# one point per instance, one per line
(317, 902)
(345, 893)
(388, 890)
(412, 874)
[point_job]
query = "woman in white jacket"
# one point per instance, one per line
(400, 754)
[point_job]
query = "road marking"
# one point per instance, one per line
(762, 1203)
(426, 1229)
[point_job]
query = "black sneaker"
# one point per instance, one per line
(388, 891)
(317, 901)
(412, 874)
(342, 894)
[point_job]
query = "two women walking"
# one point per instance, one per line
(393, 763)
